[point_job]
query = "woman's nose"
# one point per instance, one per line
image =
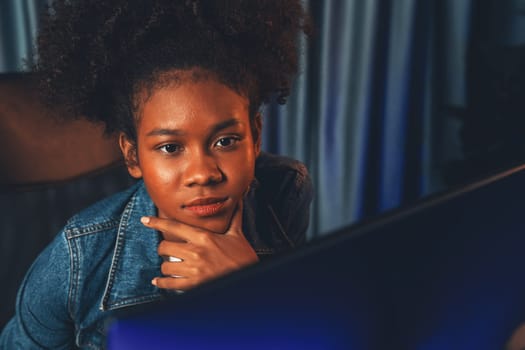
(202, 169)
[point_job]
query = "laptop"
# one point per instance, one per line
(445, 273)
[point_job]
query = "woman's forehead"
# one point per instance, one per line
(193, 104)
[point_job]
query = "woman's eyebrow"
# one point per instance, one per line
(176, 132)
(164, 132)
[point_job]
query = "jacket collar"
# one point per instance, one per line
(135, 260)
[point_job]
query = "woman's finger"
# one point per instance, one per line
(181, 284)
(171, 229)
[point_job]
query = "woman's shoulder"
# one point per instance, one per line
(277, 173)
(285, 187)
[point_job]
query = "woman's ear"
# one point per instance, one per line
(257, 133)
(129, 151)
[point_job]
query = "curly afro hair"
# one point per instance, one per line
(96, 55)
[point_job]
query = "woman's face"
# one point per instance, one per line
(195, 152)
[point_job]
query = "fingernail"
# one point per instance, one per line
(144, 220)
(154, 282)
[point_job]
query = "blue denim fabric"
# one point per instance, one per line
(104, 259)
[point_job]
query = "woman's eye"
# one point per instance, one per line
(226, 142)
(170, 148)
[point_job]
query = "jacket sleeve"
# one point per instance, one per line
(42, 319)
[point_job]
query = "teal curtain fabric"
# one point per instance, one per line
(18, 27)
(363, 115)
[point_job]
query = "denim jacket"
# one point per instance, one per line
(104, 258)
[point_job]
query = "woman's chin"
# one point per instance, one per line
(218, 225)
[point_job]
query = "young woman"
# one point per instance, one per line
(182, 83)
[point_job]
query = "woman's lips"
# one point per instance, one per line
(206, 206)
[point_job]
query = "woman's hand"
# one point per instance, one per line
(205, 255)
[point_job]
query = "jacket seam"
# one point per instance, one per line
(134, 301)
(73, 278)
(116, 253)
(75, 232)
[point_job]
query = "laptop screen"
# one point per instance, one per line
(446, 273)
